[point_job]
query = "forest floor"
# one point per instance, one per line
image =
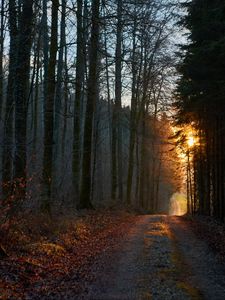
(113, 256)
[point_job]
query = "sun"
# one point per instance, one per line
(191, 141)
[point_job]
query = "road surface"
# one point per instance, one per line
(160, 259)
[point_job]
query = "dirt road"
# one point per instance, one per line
(161, 259)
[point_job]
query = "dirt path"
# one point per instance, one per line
(203, 270)
(161, 259)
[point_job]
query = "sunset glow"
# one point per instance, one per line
(191, 141)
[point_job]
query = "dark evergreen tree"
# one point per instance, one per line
(200, 101)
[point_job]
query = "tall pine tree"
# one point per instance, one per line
(201, 101)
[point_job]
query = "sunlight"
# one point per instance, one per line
(186, 141)
(178, 204)
(182, 156)
(191, 141)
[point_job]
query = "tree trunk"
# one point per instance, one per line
(36, 98)
(59, 84)
(80, 68)
(45, 46)
(10, 101)
(85, 193)
(49, 111)
(118, 95)
(1, 55)
(66, 100)
(22, 92)
(133, 117)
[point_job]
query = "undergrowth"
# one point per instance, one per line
(44, 253)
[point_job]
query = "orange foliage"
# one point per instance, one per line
(44, 255)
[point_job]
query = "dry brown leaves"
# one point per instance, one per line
(211, 231)
(47, 258)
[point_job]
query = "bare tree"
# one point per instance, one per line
(85, 193)
(49, 110)
(2, 32)
(22, 90)
(80, 72)
(10, 101)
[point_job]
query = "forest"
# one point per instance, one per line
(84, 93)
(112, 126)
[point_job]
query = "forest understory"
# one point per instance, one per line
(64, 259)
(45, 257)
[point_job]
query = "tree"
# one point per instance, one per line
(45, 37)
(2, 27)
(85, 193)
(10, 101)
(49, 110)
(133, 113)
(79, 93)
(117, 151)
(22, 90)
(200, 102)
(59, 83)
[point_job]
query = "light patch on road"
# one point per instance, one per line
(178, 204)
